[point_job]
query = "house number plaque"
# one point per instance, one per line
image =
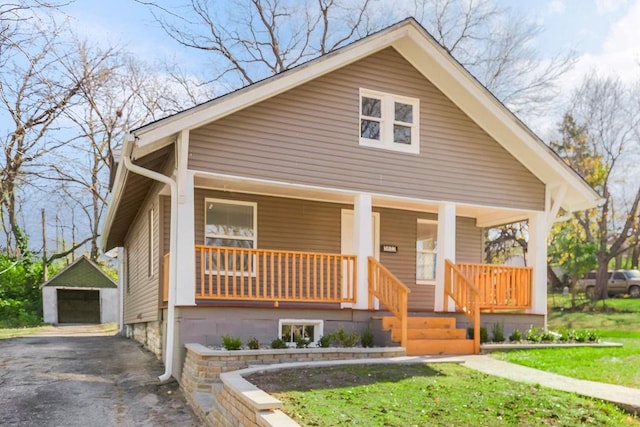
(391, 249)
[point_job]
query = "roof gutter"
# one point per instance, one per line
(127, 148)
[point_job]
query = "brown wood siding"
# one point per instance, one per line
(283, 224)
(142, 290)
(303, 225)
(165, 224)
(468, 241)
(399, 228)
(309, 135)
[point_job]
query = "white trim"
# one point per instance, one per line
(121, 280)
(254, 205)
(446, 250)
(253, 239)
(79, 288)
(537, 260)
(435, 252)
(491, 220)
(430, 59)
(375, 217)
(318, 328)
(519, 213)
(553, 209)
(184, 251)
(387, 122)
(363, 246)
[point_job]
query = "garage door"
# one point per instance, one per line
(78, 306)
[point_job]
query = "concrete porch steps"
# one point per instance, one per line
(430, 335)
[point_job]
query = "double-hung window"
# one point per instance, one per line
(389, 121)
(426, 250)
(233, 224)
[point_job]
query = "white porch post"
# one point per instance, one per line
(362, 245)
(446, 249)
(537, 259)
(186, 285)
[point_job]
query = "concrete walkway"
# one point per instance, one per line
(624, 397)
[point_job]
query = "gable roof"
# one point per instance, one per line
(427, 56)
(420, 49)
(82, 273)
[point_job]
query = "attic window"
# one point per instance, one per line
(389, 121)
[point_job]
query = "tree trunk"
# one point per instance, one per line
(635, 256)
(602, 277)
(556, 283)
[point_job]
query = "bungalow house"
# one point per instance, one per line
(353, 187)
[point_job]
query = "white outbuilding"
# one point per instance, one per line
(81, 293)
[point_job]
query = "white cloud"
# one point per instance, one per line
(607, 6)
(556, 7)
(619, 54)
(625, 33)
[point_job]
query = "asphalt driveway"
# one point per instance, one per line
(80, 377)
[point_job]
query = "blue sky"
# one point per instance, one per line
(604, 33)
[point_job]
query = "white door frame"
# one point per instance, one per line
(346, 239)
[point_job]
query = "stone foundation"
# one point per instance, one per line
(149, 334)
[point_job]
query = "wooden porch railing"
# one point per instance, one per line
(391, 292)
(227, 273)
(501, 287)
(165, 278)
(466, 297)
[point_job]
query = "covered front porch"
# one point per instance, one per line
(249, 276)
(361, 255)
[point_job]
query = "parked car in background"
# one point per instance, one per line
(620, 282)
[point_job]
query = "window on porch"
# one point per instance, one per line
(233, 224)
(426, 249)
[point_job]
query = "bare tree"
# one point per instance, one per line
(127, 94)
(253, 39)
(41, 77)
(604, 106)
(497, 46)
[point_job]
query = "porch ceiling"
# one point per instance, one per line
(485, 216)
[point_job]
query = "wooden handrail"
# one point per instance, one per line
(391, 292)
(501, 287)
(165, 278)
(466, 297)
(231, 273)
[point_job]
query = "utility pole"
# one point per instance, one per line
(45, 272)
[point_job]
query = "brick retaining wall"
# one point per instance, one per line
(234, 401)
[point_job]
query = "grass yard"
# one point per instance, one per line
(6, 333)
(427, 395)
(618, 321)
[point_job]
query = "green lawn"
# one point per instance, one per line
(426, 395)
(619, 321)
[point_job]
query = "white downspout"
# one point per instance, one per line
(173, 241)
(121, 278)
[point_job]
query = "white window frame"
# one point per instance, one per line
(424, 251)
(387, 121)
(254, 239)
(318, 329)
